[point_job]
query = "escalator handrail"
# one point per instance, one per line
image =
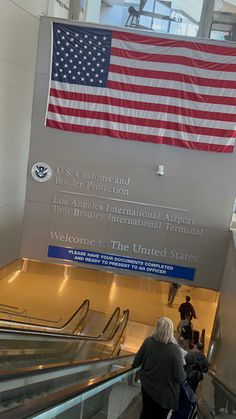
(121, 329)
(61, 396)
(9, 307)
(85, 303)
(47, 368)
(123, 321)
(116, 313)
(225, 387)
(21, 314)
(64, 336)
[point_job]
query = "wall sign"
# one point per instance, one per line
(41, 172)
(121, 262)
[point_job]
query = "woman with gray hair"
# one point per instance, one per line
(161, 371)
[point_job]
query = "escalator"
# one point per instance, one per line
(34, 364)
(104, 389)
(83, 378)
(20, 389)
(11, 317)
(24, 348)
(79, 323)
(62, 360)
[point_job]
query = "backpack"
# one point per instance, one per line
(194, 377)
(186, 332)
(196, 365)
(197, 361)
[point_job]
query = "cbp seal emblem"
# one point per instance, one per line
(41, 172)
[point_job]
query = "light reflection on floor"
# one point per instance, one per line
(53, 291)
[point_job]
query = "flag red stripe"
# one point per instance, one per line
(175, 43)
(180, 94)
(153, 107)
(143, 122)
(167, 75)
(139, 137)
(172, 59)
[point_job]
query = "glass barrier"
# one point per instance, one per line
(178, 17)
(23, 389)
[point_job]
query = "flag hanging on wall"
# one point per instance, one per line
(143, 88)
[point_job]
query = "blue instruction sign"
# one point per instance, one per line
(121, 262)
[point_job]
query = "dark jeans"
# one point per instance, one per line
(151, 409)
(172, 294)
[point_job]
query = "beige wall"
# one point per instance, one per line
(18, 48)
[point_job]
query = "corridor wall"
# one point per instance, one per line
(18, 50)
(19, 21)
(223, 341)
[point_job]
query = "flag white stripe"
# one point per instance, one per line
(173, 51)
(170, 84)
(165, 100)
(135, 129)
(174, 68)
(136, 113)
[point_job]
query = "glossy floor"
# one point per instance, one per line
(54, 292)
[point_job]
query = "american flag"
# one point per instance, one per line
(143, 88)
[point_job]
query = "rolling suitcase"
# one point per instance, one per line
(185, 413)
(187, 404)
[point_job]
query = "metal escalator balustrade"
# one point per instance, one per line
(73, 325)
(54, 347)
(217, 397)
(109, 327)
(112, 395)
(104, 347)
(91, 397)
(22, 348)
(16, 387)
(80, 317)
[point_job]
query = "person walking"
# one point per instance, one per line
(183, 351)
(185, 332)
(187, 309)
(173, 288)
(161, 371)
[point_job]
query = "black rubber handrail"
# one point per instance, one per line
(9, 307)
(224, 386)
(121, 333)
(86, 304)
(21, 314)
